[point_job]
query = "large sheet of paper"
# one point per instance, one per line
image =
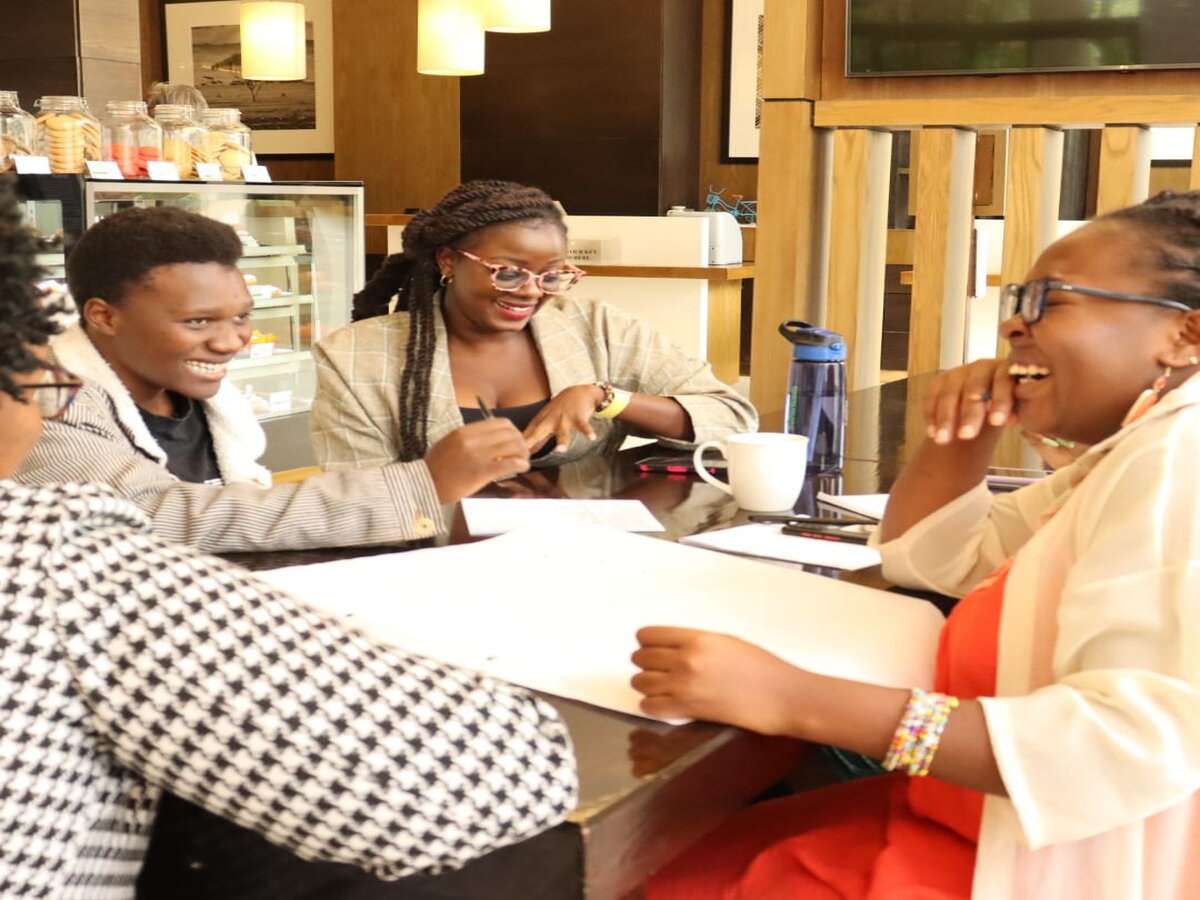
(487, 516)
(556, 609)
(769, 542)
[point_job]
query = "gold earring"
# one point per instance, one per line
(445, 280)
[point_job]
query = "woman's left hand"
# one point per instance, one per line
(704, 675)
(565, 414)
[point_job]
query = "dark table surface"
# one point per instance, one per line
(647, 789)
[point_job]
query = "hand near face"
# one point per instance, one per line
(465, 460)
(962, 402)
(704, 675)
(565, 414)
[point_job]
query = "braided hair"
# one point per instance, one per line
(1174, 221)
(412, 276)
(24, 319)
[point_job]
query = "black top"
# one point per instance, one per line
(520, 416)
(185, 438)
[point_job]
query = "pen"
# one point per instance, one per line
(819, 534)
(808, 520)
(483, 407)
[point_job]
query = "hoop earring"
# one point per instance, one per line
(445, 280)
(1147, 398)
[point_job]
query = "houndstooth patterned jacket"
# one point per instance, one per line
(129, 665)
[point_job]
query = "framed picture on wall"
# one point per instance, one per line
(743, 90)
(203, 43)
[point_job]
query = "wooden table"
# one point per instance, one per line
(648, 790)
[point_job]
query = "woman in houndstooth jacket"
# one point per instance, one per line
(130, 665)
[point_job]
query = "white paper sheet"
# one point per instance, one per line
(869, 505)
(556, 609)
(487, 515)
(769, 542)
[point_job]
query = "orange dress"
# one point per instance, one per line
(885, 837)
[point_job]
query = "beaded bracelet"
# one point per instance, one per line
(920, 732)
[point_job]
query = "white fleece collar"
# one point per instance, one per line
(238, 439)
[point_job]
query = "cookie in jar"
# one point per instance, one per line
(229, 141)
(67, 133)
(131, 138)
(18, 131)
(185, 141)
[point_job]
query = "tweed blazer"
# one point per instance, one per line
(355, 418)
(103, 439)
(130, 665)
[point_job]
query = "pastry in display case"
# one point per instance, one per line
(303, 259)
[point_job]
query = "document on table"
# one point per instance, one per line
(869, 506)
(769, 542)
(556, 609)
(487, 516)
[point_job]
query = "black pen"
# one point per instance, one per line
(780, 519)
(483, 407)
(821, 534)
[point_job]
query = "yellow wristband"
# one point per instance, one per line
(614, 402)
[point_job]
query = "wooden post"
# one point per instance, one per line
(1034, 181)
(1124, 167)
(942, 248)
(857, 248)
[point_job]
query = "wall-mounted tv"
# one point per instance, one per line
(988, 37)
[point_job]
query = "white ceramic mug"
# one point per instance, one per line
(766, 470)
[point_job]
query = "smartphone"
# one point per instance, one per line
(677, 465)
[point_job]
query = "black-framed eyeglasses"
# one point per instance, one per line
(55, 392)
(513, 278)
(1029, 299)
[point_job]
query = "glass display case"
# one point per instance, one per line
(303, 258)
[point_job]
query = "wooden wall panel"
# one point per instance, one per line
(792, 49)
(394, 129)
(109, 29)
(1124, 167)
(789, 264)
(941, 250)
(734, 178)
(858, 248)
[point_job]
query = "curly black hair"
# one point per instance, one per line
(412, 277)
(120, 250)
(1173, 221)
(24, 318)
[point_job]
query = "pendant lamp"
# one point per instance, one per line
(516, 16)
(274, 43)
(449, 37)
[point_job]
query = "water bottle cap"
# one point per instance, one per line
(813, 344)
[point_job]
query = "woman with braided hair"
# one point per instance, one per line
(1058, 752)
(481, 314)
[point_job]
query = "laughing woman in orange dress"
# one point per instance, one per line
(1058, 752)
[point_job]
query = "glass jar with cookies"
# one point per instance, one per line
(18, 132)
(67, 133)
(131, 138)
(185, 141)
(229, 141)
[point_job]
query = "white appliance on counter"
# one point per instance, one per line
(724, 235)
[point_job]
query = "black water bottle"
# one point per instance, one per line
(816, 398)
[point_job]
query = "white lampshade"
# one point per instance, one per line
(274, 45)
(449, 37)
(517, 16)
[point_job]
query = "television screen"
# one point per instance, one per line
(930, 37)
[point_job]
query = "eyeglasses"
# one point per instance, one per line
(1029, 299)
(55, 392)
(513, 278)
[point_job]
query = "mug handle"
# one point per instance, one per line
(698, 464)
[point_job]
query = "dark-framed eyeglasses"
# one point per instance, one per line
(1029, 299)
(55, 392)
(513, 278)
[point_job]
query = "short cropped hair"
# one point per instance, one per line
(164, 92)
(120, 250)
